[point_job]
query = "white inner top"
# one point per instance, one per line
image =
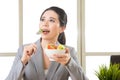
(46, 70)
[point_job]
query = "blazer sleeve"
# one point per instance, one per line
(74, 68)
(17, 68)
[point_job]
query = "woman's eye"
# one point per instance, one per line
(52, 20)
(42, 19)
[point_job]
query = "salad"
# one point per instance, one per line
(58, 47)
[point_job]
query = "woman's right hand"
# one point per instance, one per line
(28, 51)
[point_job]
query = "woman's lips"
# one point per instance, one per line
(45, 31)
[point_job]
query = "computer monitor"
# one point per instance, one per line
(115, 59)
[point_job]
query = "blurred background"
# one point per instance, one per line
(93, 30)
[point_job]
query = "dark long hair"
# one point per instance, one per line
(63, 21)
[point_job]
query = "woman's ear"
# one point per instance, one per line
(62, 28)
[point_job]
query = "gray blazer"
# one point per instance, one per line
(34, 70)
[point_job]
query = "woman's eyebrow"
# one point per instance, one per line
(52, 18)
(42, 17)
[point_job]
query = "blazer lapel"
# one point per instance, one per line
(37, 59)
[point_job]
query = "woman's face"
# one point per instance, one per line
(50, 25)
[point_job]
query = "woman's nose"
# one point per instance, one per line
(45, 23)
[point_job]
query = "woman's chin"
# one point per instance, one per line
(46, 38)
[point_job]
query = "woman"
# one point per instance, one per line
(31, 61)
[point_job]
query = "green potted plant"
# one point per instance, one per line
(108, 73)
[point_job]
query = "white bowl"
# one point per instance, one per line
(50, 52)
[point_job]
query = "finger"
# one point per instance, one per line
(28, 53)
(67, 50)
(29, 50)
(60, 55)
(61, 60)
(34, 48)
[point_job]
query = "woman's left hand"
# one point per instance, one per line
(62, 58)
